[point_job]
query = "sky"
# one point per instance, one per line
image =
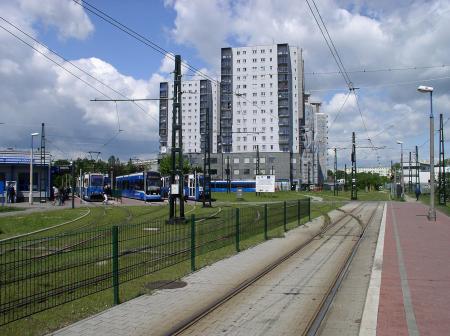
(406, 42)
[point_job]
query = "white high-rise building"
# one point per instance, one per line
(199, 108)
(261, 99)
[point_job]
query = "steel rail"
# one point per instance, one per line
(320, 314)
(186, 324)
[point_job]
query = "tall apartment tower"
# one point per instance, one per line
(261, 101)
(199, 115)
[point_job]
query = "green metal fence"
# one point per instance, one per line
(43, 273)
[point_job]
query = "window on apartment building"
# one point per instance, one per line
(254, 77)
(270, 59)
(236, 172)
(254, 68)
(254, 121)
(236, 160)
(238, 148)
(271, 146)
(245, 147)
(270, 50)
(254, 94)
(255, 147)
(263, 51)
(244, 129)
(238, 61)
(255, 112)
(244, 86)
(244, 52)
(254, 60)
(246, 171)
(244, 69)
(238, 69)
(254, 51)
(271, 129)
(263, 94)
(263, 76)
(255, 103)
(244, 138)
(246, 160)
(263, 85)
(254, 129)
(263, 59)
(238, 52)
(254, 138)
(263, 138)
(244, 61)
(263, 68)
(270, 68)
(263, 120)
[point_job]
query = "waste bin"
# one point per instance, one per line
(239, 194)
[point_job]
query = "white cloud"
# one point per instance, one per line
(68, 17)
(368, 35)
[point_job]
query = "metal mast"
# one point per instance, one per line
(177, 149)
(354, 194)
(442, 182)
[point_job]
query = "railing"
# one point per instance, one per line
(43, 273)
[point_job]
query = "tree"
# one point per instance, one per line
(165, 166)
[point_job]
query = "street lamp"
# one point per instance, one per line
(401, 169)
(30, 195)
(432, 210)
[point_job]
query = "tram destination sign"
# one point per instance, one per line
(265, 183)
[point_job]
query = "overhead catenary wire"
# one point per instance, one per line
(139, 37)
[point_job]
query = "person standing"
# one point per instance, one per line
(8, 193)
(417, 192)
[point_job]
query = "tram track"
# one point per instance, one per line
(185, 326)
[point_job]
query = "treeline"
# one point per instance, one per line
(367, 181)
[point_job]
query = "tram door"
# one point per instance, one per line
(192, 186)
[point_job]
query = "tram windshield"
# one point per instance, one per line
(97, 181)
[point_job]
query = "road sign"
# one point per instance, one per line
(265, 183)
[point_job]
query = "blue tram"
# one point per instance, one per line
(245, 185)
(144, 186)
(91, 187)
(193, 187)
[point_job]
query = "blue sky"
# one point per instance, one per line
(368, 35)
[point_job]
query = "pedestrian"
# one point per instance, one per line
(417, 192)
(105, 198)
(55, 195)
(8, 193)
(62, 196)
(13, 194)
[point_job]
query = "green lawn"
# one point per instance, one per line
(262, 197)
(215, 241)
(345, 195)
(10, 209)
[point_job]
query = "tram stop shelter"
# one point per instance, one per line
(15, 171)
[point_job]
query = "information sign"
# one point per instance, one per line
(175, 189)
(265, 183)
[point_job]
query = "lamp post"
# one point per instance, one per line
(30, 196)
(432, 210)
(401, 169)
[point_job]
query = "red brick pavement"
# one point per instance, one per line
(426, 253)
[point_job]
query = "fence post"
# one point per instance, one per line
(309, 209)
(265, 222)
(298, 212)
(238, 249)
(284, 217)
(115, 263)
(192, 243)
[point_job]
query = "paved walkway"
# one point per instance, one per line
(415, 281)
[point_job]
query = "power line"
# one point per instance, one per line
(390, 69)
(340, 110)
(137, 36)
